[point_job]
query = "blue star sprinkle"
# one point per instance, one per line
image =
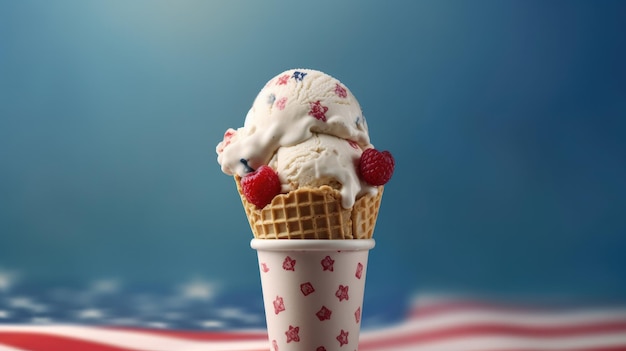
(298, 76)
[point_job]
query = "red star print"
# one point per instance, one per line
(327, 263)
(307, 288)
(343, 338)
(275, 345)
(357, 315)
(279, 305)
(280, 104)
(292, 334)
(282, 80)
(321, 348)
(264, 268)
(359, 270)
(340, 91)
(324, 313)
(342, 293)
(289, 264)
(318, 110)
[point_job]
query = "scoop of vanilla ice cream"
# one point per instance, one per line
(289, 110)
(322, 160)
(307, 126)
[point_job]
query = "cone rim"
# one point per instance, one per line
(313, 244)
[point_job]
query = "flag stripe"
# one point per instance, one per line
(44, 342)
(200, 335)
(446, 325)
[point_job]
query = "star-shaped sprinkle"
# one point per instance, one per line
(318, 110)
(282, 80)
(292, 334)
(298, 76)
(343, 338)
(357, 315)
(264, 267)
(271, 98)
(289, 264)
(279, 305)
(307, 288)
(340, 91)
(275, 345)
(359, 270)
(342, 293)
(324, 313)
(228, 135)
(280, 104)
(327, 263)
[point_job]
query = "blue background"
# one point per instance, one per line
(506, 119)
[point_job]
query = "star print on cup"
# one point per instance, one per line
(289, 264)
(292, 334)
(321, 348)
(279, 305)
(264, 267)
(357, 315)
(359, 270)
(323, 314)
(327, 263)
(343, 338)
(275, 345)
(342, 293)
(307, 288)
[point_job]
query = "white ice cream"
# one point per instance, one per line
(308, 127)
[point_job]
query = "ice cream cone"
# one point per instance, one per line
(312, 213)
(313, 292)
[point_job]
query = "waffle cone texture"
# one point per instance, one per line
(312, 213)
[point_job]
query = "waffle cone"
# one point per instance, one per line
(312, 213)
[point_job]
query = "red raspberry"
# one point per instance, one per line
(261, 186)
(376, 167)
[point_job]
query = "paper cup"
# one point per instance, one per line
(313, 292)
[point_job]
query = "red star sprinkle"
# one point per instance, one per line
(343, 338)
(321, 348)
(327, 263)
(280, 104)
(289, 264)
(275, 345)
(228, 135)
(279, 305)
(357, 315)
(282, 80)
(264, 268)
(342, 293)
(340, 91)
(359, 270)
(323, 314)
(318, 110)
(292, 334)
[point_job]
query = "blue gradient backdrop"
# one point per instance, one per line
(507, 120)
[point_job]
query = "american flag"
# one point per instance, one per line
(108, 316)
